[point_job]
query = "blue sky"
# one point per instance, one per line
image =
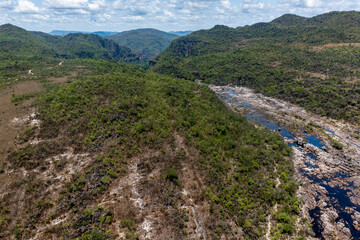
(167, 15)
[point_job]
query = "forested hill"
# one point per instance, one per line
(333, 27)
(151, 139)
(17, 43)
(312, 62)
(146, 42)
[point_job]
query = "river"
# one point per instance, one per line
(329, 177)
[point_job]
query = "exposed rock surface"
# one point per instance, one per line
(328, 176)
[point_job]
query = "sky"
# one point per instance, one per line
(166, 15)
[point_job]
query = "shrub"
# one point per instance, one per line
(93, 235)
(128, 223)
(336, 144)
(288, 228)
(283, 217)
(172, 175)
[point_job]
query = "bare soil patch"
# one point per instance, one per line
(8, 111)
(62, 80)
(333, 45)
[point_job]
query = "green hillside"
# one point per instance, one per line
(21, 50)
(17, 43)
(146, 42)
(93, 46)
(119, 113)
(312, 62)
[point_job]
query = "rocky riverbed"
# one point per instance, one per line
(326, 158)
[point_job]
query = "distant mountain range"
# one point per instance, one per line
(107, 34)
(180, 33)
(17, 43)
(64, 33)
(130, 46)
(148, 42)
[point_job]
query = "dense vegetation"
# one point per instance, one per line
(312, 62)
(146, 42)
(19, 44)
(21, 51)
(118, 112)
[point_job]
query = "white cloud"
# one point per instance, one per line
(133, 18)
(100, 18)
(312, 3)
(226, 8)
(6, 4)
(97, 5)
(250, 4)
(25, 6)
(328, 5)
(168, 13)
(226, 4)
(65, 4)
(163, 14)
(138, 7)
(40, 17)
(304, 3)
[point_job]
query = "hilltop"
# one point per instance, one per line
(63, 33)
(117, 152)
(17, 43)
(146, 42)
(308, 61)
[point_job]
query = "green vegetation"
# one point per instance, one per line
(310, 62)
(146, 42)
(172, 175)
(126, 125)
(19, 44)
(20, 98)
(21, 50)
(118, 112)
(336, 144)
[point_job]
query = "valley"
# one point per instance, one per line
(226, 133)
(328, 176)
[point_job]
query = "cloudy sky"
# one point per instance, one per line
(119, 15)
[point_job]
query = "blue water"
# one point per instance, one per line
(245, 104)
(332, 132)
(317, 142)
(229, 98)
(339, 196)
(328, 130)
(352, 185)
(286, 134)
(356, 145)
(315, 214)
(266, 123)
(231, 92)
(340, 201)
(312, 156)
(341, 175)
